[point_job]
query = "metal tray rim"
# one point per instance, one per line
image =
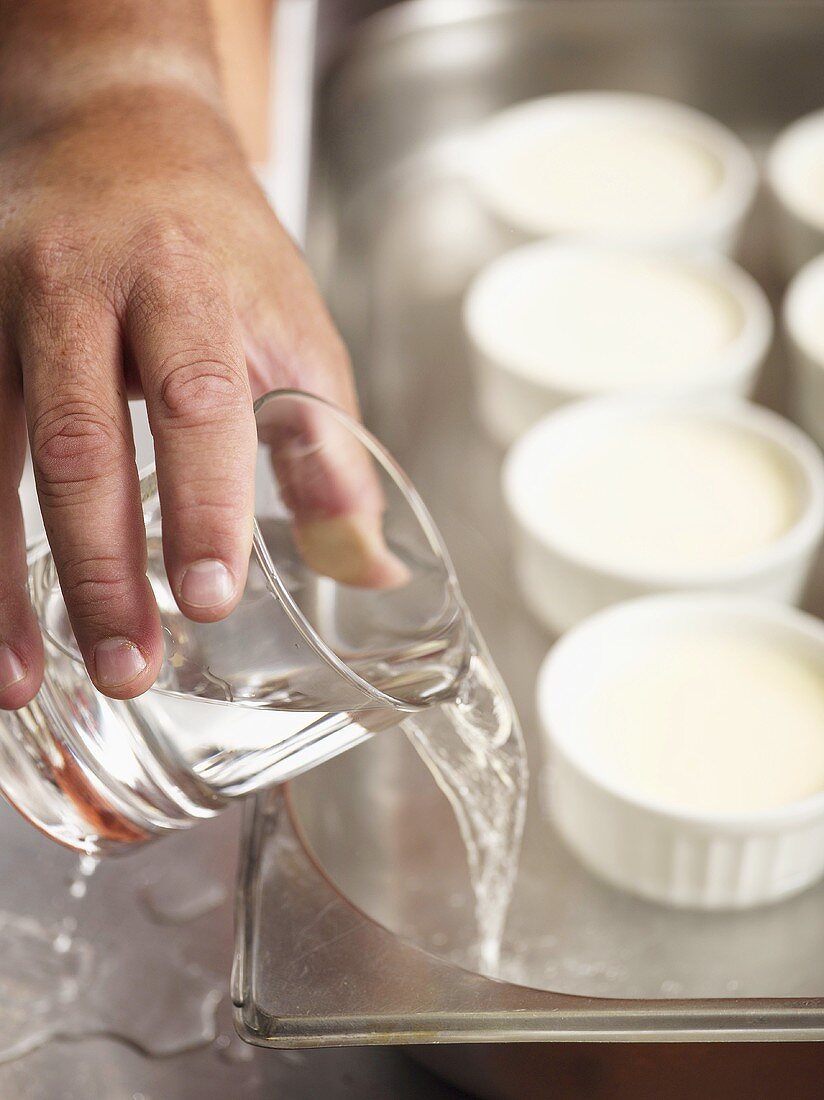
(511, 1013)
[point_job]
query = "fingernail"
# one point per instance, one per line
(12, 669)
(117, 661)
(207, 583)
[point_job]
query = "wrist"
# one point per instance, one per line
(57, 54)
(67, 92)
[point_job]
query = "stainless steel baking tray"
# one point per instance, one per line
(355, 901)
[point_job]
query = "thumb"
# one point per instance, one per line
(330, 483)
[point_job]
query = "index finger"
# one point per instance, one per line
(185, 340)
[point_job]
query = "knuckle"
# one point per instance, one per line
(170, 234)
(45, 258)
(184, 293)
(172, 246)
(197, 388)
(71, 442)
(94, 584)
(209, 513)
(214, 505)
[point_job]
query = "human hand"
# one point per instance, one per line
(137, 255)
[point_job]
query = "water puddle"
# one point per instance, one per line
(230, 1048)
(182, 897)
(39, 982)
(56, 984)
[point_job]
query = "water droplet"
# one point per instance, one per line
(671, 988)
(232, 1049)
(87, 865)
(296, 1057)
(83, 871)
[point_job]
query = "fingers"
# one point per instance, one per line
(21, 651)
(87, 483)
(183, 336)
(330, 483)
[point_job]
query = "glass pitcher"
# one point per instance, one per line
(314, 658)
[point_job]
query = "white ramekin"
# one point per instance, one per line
(561, 586)
(803, 323)
(800, 220)
(715, 222)
(511, 397)
(675, 857)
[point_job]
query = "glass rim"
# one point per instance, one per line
(412, 498)
(148, 491)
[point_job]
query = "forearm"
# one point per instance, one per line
(243, 33)
(57, 54)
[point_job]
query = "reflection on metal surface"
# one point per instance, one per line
(347, 933)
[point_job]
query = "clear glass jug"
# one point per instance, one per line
(317, 656)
